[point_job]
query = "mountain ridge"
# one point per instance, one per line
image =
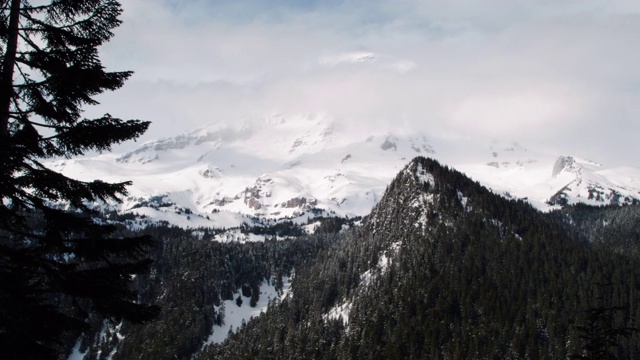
(294, 168)
(482, 277)
(442, 267)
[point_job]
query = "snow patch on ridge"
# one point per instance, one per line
(341, 311)
(75, 352)
(423, 176)
(235, 316)
(463, 201)
(338, 312)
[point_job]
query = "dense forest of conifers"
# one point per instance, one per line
(441, 269)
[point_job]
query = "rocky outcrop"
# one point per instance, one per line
(389, 143)
(299, 202)
(565, 163)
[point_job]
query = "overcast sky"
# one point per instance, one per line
(560, 73)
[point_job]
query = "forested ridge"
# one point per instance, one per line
(612, 227)
(441, 269)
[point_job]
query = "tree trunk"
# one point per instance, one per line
(8, 63)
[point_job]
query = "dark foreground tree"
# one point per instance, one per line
(57, 264)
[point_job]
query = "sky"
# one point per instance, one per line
(563, 74)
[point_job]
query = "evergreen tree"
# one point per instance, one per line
(600, 333)
(57, 265)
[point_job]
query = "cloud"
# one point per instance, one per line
(561, 74)
(512, 113)
(348, 58)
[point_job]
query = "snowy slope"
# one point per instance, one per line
(549, 180)
(300, 166)
(270, 168)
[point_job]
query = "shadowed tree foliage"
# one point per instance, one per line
(57, 264)
(602, 329)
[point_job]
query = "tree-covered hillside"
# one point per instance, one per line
(612, 227)
(444, 269)
(441, 269)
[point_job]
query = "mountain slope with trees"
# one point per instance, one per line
(445, 269)
(442, 269)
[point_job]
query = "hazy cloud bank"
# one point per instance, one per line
(554, 73)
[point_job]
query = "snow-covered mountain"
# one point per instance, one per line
(549, 180)
(592, 184)
(298, 167)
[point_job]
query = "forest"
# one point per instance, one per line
(441, 269)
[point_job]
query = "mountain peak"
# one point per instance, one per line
(566, 164)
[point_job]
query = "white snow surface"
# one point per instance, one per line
(283, 166)
(108, 330)
(534, 175)
(234, 315)
(340, 311)
(75, 352)
(235, 235)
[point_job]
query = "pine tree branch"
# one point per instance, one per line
(57, 127)
(32, 29)
(79, 31)
(32, 8)
(18, 111)
(80, 22)
(30, 42)
(25, 78)
(98, 134)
